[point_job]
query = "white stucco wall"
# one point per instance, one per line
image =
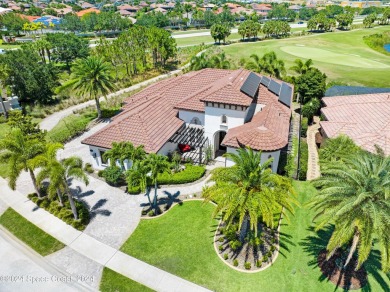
(168, 147)
(187, 116)
(264, 157)
(213, 122)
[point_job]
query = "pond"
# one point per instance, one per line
(387, 47)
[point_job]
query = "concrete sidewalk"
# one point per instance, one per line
(93, 249)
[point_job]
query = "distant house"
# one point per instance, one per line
(86, 11)
(365, 118)
(295, 8)
(10, 104)
(212, 108)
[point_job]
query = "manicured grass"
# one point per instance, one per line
(181, 242)
(113, 282)
(343, 56)
(70, 126)
(30, 234)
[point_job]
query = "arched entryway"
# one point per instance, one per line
(219, 149)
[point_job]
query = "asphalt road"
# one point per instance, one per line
(23, 270)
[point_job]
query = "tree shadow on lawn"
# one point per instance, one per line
(317, 242)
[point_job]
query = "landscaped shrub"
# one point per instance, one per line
(113, 175)
(259, 264)
(63, 212)
(88, 168)
(100, 173)
(221, 239)
(265, 258)
(273, 248)
(247, 265)
(235, 244)
(225, 256)
(269, 254)
(220, 248)
(134, 190)
(190, 174)
(235, 263)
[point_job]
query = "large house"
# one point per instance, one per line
(213, 109)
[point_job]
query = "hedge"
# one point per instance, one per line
(304, 158)
(190, 174)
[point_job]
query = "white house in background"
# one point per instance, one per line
(10, 103)
(221, 109)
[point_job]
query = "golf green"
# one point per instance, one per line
(327, 56)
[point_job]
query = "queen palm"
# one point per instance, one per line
(354, 197)
(92, 76)
(124, 151)
(219, 61)
(249, 191)
(301, 67)
(19, 152)
(156, 164)
(50, 168)
(268, 63)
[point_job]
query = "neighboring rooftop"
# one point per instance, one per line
(340, 90)
(364, 118)
(150, 117)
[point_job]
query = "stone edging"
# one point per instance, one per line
(273, 259)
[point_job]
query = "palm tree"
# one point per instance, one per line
(49, 169)
(92, 76)
(73, 167)
(124, 151)
(19, 152)
(157, 164)
(301, 67)
(137, 176)
(337, 149)
(354, 197)
(199, 62)
(269, 64)
(249, 191)
(219, 61)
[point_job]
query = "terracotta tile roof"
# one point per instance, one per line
(364, 118)
(89, 10)
(268, 130)
(150, 117)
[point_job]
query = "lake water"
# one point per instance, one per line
(387, 47)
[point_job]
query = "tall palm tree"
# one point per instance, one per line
(268, 63)
(301, 67)
(249, 191)
(50, 168)
(19, 152)
(137, 176)
(354, 197)
(92, 76)
(157, 164)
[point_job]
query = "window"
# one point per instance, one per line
(104, 161)
(223, 119)
(195, 121)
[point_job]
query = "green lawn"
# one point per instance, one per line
(113, 282)
(181, 242)
(343, 56)
(30, 234)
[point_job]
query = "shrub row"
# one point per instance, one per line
(303, 160)
(190, 174)
(64, 213)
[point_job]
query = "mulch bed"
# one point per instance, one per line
(345, 278)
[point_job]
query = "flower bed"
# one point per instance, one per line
(251, 255)
(64, 213)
